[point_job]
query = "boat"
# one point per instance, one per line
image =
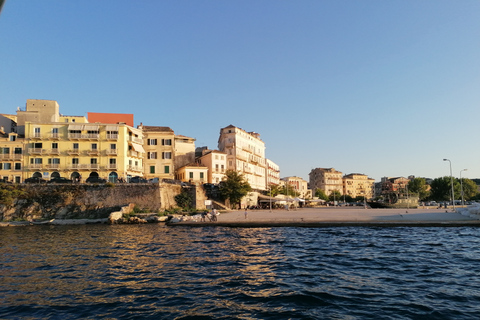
(397, 201)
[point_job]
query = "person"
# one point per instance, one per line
(204, 214)
(246, 213)
(214, 214)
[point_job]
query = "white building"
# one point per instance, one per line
(245, 154)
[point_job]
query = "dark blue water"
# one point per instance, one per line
(156, 272)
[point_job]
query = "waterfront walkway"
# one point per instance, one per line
(339, 216)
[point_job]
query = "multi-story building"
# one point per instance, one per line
(245, 154)
(159, 152)
(192, 173)
(184, 151)
(358, 185)
(215, 161)
(71, 147)
(273, 173)
(299, 185)
(326, 179)
(394, 184)
(11, 156)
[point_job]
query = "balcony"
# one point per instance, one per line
(53, 166)
(136, 140)
(6, 156)
(54, 151)
(111, 152)
(73, 151)
(134, 154)
(79, 136)
(36, 135)
(111, 136)
(111, 166)
(54, 135)
(34, 166)
(83, 166)
(135, 168)
(93, 151)
(36, 150)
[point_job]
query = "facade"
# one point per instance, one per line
(299, 185)
(245, 154)
(273, 173)
(326, 179)
(358, 185)
(11, 157)
(159, 152)
(184, 151)
(49, 145)
(216, 162)
(393, 184)
(192, 173)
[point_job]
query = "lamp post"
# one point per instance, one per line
(451, 182)
(461, 186)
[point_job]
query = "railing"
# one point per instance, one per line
(137, 140)
(54, 135)
(54, 151)
(112, 166)
(92, 151)
(53, 166)
(111, 152)
(111, 136)
(83, 166)
(35, 166)
(135, 154)
(36, 150)
(134, 168)
(83, 136)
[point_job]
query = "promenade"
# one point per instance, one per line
(338, 216)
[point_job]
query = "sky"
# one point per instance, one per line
(383, 88)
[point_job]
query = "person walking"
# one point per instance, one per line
(246, 213)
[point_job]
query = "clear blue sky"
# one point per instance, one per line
(384, 88)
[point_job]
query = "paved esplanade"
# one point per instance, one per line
(340, 216)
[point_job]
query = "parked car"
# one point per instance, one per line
(154, 180)
(35, 180)
(138, 179)
(95, 180)
(60, 180)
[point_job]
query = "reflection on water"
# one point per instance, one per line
(151, 271)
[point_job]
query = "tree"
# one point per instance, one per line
(234, 187)
(288, 190)
(184, 199)
(321, 194)
(275, 190)
(441, 189)
(470, 189)
(419, 186)
(335, 195)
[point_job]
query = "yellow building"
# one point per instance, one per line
(358, 185)
(159, 152)
(70, 147)
(326, 179)
(11, 157)
(192, 173)
(216, 162)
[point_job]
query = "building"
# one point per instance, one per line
(273, 173)
(69, 146)
(245, 154)
(159, 145)
(299, 185)
(358, 185)
(192, 173)
(184, 151)
(397, 184)
(326, 179)
(215, 161)
(11, 157)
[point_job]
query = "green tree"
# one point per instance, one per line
(288, 190)
(470, 189)
(184, 199)
(234, 187)
(335, 195)
(420, 187)
(276, 190)
(441, 189)
(321, 194)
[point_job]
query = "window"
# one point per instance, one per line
(201, 175)
(94, 146)
(166, 142)
(7, 166)
(223, 168)
(18, 166)
(5, 150)
(151, 155)
(36, 132)
(35, 160)
(93, 160)
(54, 161)
(13, 138)
(166, 155)
(75, 161)
(75, 146)
(18, 151)
(113, 146)
(54, 145)
(113, 161)
(152, 142)
(166, 169)
(190, 175)
(152, 169)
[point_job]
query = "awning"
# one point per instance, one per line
(75, 127)
(91, 127)
(110, 127)
(138, 148)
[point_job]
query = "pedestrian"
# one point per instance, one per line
(246, 213)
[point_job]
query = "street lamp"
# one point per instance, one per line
(451, 182)
(461, 186)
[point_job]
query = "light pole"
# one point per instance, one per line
(461, 186)
(451, 182)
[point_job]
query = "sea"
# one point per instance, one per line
(154, 271)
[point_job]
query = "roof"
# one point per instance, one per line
(127, 118)
(156, 129)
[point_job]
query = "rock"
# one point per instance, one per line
(114, 217)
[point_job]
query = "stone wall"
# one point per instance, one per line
(84, 201)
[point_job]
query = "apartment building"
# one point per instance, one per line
(184, 151)
(159, 145)
(11, 156)
(69, 146)
(215, 161)
(358, 185)
(393, 184)
(326, 179)
(273, 173)
(245, 154)
(299, 185)
(192, 173)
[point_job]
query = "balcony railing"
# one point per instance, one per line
(111, 136)
(54, 151)
(54, 135)
(91, 136)
(35, 166)
(83, 166)
(137, 140)
(111, 152)
(112, 166)
(73, 151)
(53, 166)
(134, 168)
(36, 150)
